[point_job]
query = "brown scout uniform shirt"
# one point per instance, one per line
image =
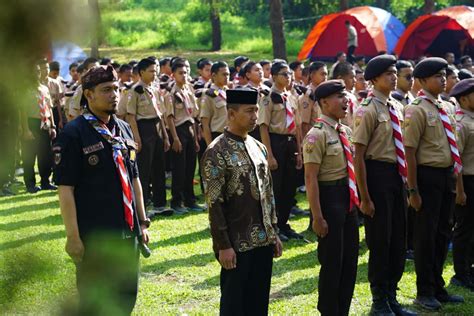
(323, 146)
(236, 174)
(74, 106)
(307, 107)
(33, 111)
(425, 132)
(56, 91)
(373, 127)
(214, 108)
(145, 102)
(274, 114)
(179, 103)
(465, 133)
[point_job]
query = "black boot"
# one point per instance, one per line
(380, 306)
(395, 306)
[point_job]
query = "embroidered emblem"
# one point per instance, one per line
(93, 160)
(93, 148)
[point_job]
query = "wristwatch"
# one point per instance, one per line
(146, 222)
(412, 190)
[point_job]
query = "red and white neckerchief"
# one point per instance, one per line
(448, 128)
(290, 115)
(42, 107)
(397, 139)
(354, 196)
(118, 145)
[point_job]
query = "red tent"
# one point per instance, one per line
(448, 30)
(377, 29)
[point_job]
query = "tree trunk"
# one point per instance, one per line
(343, 5)
(216, 25)
(276, 26)
(429, 7)
(96, 27)
(383, 4)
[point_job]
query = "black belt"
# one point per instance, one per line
(343, 181)
(145, 120)
(289, 137)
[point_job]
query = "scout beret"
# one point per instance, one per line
(98, 75)
(462, 88)
(429, 67)
(465, 74)
(378, 65)
(242, 96)
(328, 88)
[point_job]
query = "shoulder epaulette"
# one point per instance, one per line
(128, 86)
(366, 101)
(212, 93)
(300, 89)
(268, 83)
(318, 125)
(416, 101)
(178, 97)
(164, 78)
(139, 89)
(276, 98)
(265, 92)
(198, 93)
(397, 96)
(198, 85)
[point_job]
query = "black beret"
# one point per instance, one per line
(242, 96)
(378, 65)
(465, 74)
(462, 88)
(98, 75)
(429, 66)
(328, 88)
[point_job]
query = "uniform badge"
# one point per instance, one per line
(93, 160)
(308, 147)
(305, 104)
(133, 155)
(57, 158)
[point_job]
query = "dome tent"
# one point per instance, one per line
(448, 30)
(377, 29)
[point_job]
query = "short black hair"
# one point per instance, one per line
(203, 62)
(339, 54)
(315, 66)
(135, 70)
(116, 65)
(401, 64)
(276, 67)
(342, 69)
(358, 72)
(54, 65)
(295, 64)
(264, 62)
(105, 61)
(133, 62)
(124, 68)
(80, 68)
(144, 64)
(247, 68)
(464, 58)
(451, 70)
(88, 61)
(164, 61)
(73, 65)
(218, 65)
(176, 65)
(153, 58)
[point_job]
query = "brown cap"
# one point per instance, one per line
(98, 75)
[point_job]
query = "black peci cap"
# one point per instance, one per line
(329, 88)
(378, 65)
(242, 96)
(429, 66)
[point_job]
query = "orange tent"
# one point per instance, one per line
(448, 30)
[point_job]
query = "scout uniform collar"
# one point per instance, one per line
(331, 122)
(429, 96)
(275, 89)
(379, 96)
(403, 94)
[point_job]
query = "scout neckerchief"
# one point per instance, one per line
(448, 128)
(42, 108)
(290, 116)
(397, 139)
(118, 145)
(154, 102)
(185, 98)
(354, 196)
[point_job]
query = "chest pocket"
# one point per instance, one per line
(220, 103)
(179, 106)
(278, 107)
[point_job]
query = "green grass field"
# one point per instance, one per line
(181, 277)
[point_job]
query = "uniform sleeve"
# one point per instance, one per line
(122, 104)
(264, 111)
(75, 103)
(314, 147)
(461, 136)
(67, 159)
(132, 102)
(207, 109)
(414, 126)
(169, 108)
(213, 172)
(364, 125)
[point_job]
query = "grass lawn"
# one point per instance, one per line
(181, 277)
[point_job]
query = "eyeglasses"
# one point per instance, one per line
(285, 74)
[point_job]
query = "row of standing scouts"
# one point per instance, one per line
(411, 127)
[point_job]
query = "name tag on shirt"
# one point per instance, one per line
(93, 148)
